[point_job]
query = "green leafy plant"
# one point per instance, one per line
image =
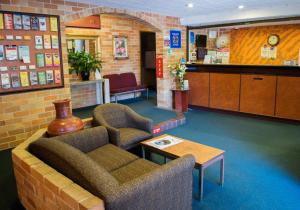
(83, 62)
(178, 71)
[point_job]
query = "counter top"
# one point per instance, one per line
(247, 69)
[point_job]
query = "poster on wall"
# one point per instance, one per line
(120, 47)
(192, 37)
(166, 41)
(159, 66)
(175, 39)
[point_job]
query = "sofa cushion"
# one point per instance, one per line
(86, 140)
(128, 79)
(111, 157)
(114, 81)
(133, 170)
(75, 165)
(129, 136)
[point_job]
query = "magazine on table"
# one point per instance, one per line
(164, 142)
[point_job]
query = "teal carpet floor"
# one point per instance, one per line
(262, 160)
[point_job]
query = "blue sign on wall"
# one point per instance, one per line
(192, 37)
(175, 39)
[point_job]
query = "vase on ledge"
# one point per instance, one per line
(64, 122)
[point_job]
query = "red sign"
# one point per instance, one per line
(159, 66)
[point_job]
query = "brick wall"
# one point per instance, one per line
(22, 114)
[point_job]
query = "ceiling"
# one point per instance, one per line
(207, 12)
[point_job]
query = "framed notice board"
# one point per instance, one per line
(30, 52)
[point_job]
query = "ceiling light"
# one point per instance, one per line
(241, 7)
(190, 5)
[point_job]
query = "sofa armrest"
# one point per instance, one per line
(168, 187)
(114, 135)
(139, 121)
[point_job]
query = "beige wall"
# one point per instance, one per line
(24, 113)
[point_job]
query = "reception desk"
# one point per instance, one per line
(261, 90)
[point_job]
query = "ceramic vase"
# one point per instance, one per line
(64, 122)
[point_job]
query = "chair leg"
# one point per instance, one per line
(147, 93)
(116, 99)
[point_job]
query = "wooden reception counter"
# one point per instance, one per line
(257, 89)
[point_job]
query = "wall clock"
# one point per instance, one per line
(273, 40)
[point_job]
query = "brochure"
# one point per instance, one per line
(26, 22)
(1, 52)
(48, 59)
(56, 60)
(24, 54)
(164, 142)
(34, 23)
(17, 21)
(24, 79)
(53, 24)
(33, 78)
(54, 41)
(5, 81)
(8, 21)
(15, 80)
(1, 21)
(40, 60)
(49, 76)
(42, 78)
(11, 52)
(57, 77)
(42, 24)
(47, 42)
(38, 42)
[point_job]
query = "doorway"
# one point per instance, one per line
(148, 54)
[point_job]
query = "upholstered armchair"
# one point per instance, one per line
(126, 128)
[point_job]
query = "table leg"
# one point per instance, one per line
(143, 152)
(201, 175)
(165, 159)
(222, 171)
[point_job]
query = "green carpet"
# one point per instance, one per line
(262, 160)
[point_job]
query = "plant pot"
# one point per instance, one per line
(85, 75)
(64, 122)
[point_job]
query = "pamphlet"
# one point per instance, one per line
(9, 37)
(1, 52)
(54, 41)
(8, 21)
(38, 42)
(53, 24)
(3, 68)
(164, 142)
(17, 21)
(11, 52)
(5, 81)
(19, 37)
(24, 54)
(48, 59)
(49, 76)
(24, 79)
(42, 24)
(33, 78)
(27, 37)
(47, 42)
(1, 21)
(34, 23)
(42, 78)
(57, 77)
(56, 60)
(15, 80)
(26, 22)
(40, 60)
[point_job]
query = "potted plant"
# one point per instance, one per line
(83, 63)
(178, 71)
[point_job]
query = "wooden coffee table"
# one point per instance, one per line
(204, 156)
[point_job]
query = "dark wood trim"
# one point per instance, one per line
(244, 23)
(243, 114)
(246, 69)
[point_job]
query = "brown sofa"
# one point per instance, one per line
(126, 128)
(121, 179)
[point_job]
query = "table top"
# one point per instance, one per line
(201, 152)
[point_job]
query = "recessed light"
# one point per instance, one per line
(241, 6)
(190, 5)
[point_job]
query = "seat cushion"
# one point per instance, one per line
(111, 157)
(133, 170)
(129, 137)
